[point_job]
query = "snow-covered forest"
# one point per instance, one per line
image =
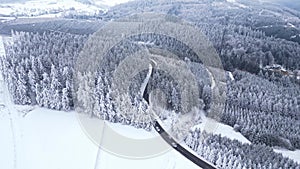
(227, 153)
(262, 104)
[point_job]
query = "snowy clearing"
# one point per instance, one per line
(170, 160)
(227, 131)
(2, 51)
(135, 134)
(295, 36)
(55, 140)
(214, 127)
(110, 2)
(295, 155)
(6, 10)
(291, 25)
(237, 3)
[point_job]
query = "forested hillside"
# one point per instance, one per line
(226, 153)
(241, 32)
(39, 68)
(263, 111)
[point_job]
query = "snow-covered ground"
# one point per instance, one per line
(6, 10)
(295, 155)
(291, 25)
(134, 134)
(46, 139)
(212, 126)
(2, 52)
(228, 131)
(44, 7)
(170, 160)
(110, 2)
(231, 76)
(295, 36)
(237, 3)
(54, 139)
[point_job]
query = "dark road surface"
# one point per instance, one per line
(199, 162)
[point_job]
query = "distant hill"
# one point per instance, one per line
(294, 4)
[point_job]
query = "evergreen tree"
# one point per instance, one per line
(22, 88)
(65, 100)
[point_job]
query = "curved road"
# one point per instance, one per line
(193, 158)
(196, 160)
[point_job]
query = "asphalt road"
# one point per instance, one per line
(199, 162)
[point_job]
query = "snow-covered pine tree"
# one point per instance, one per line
(66, 75)
(38, 93)
(65, 100)
(206, 96)
(12, 84)
(22, 88)
(85, 93)
(99, 108)
(57, 100)
(55, 87)
(46, 94)
(32, 80)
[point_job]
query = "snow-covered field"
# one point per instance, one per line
(54, 140)
(45, 7)
(212, 126)
(110, 2)
(295, 155)
(127, 131)
(44, 139)
(2, 52)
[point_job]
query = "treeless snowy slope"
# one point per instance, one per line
(295, 155)
(110, 2)
(7, 154)
(7, 137)
(2, 51)
(54, 140)
(227, 131)
(222, 129)
(169, 160)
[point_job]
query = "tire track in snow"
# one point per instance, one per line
(14, 138)
(7, 102)
(11, 122)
